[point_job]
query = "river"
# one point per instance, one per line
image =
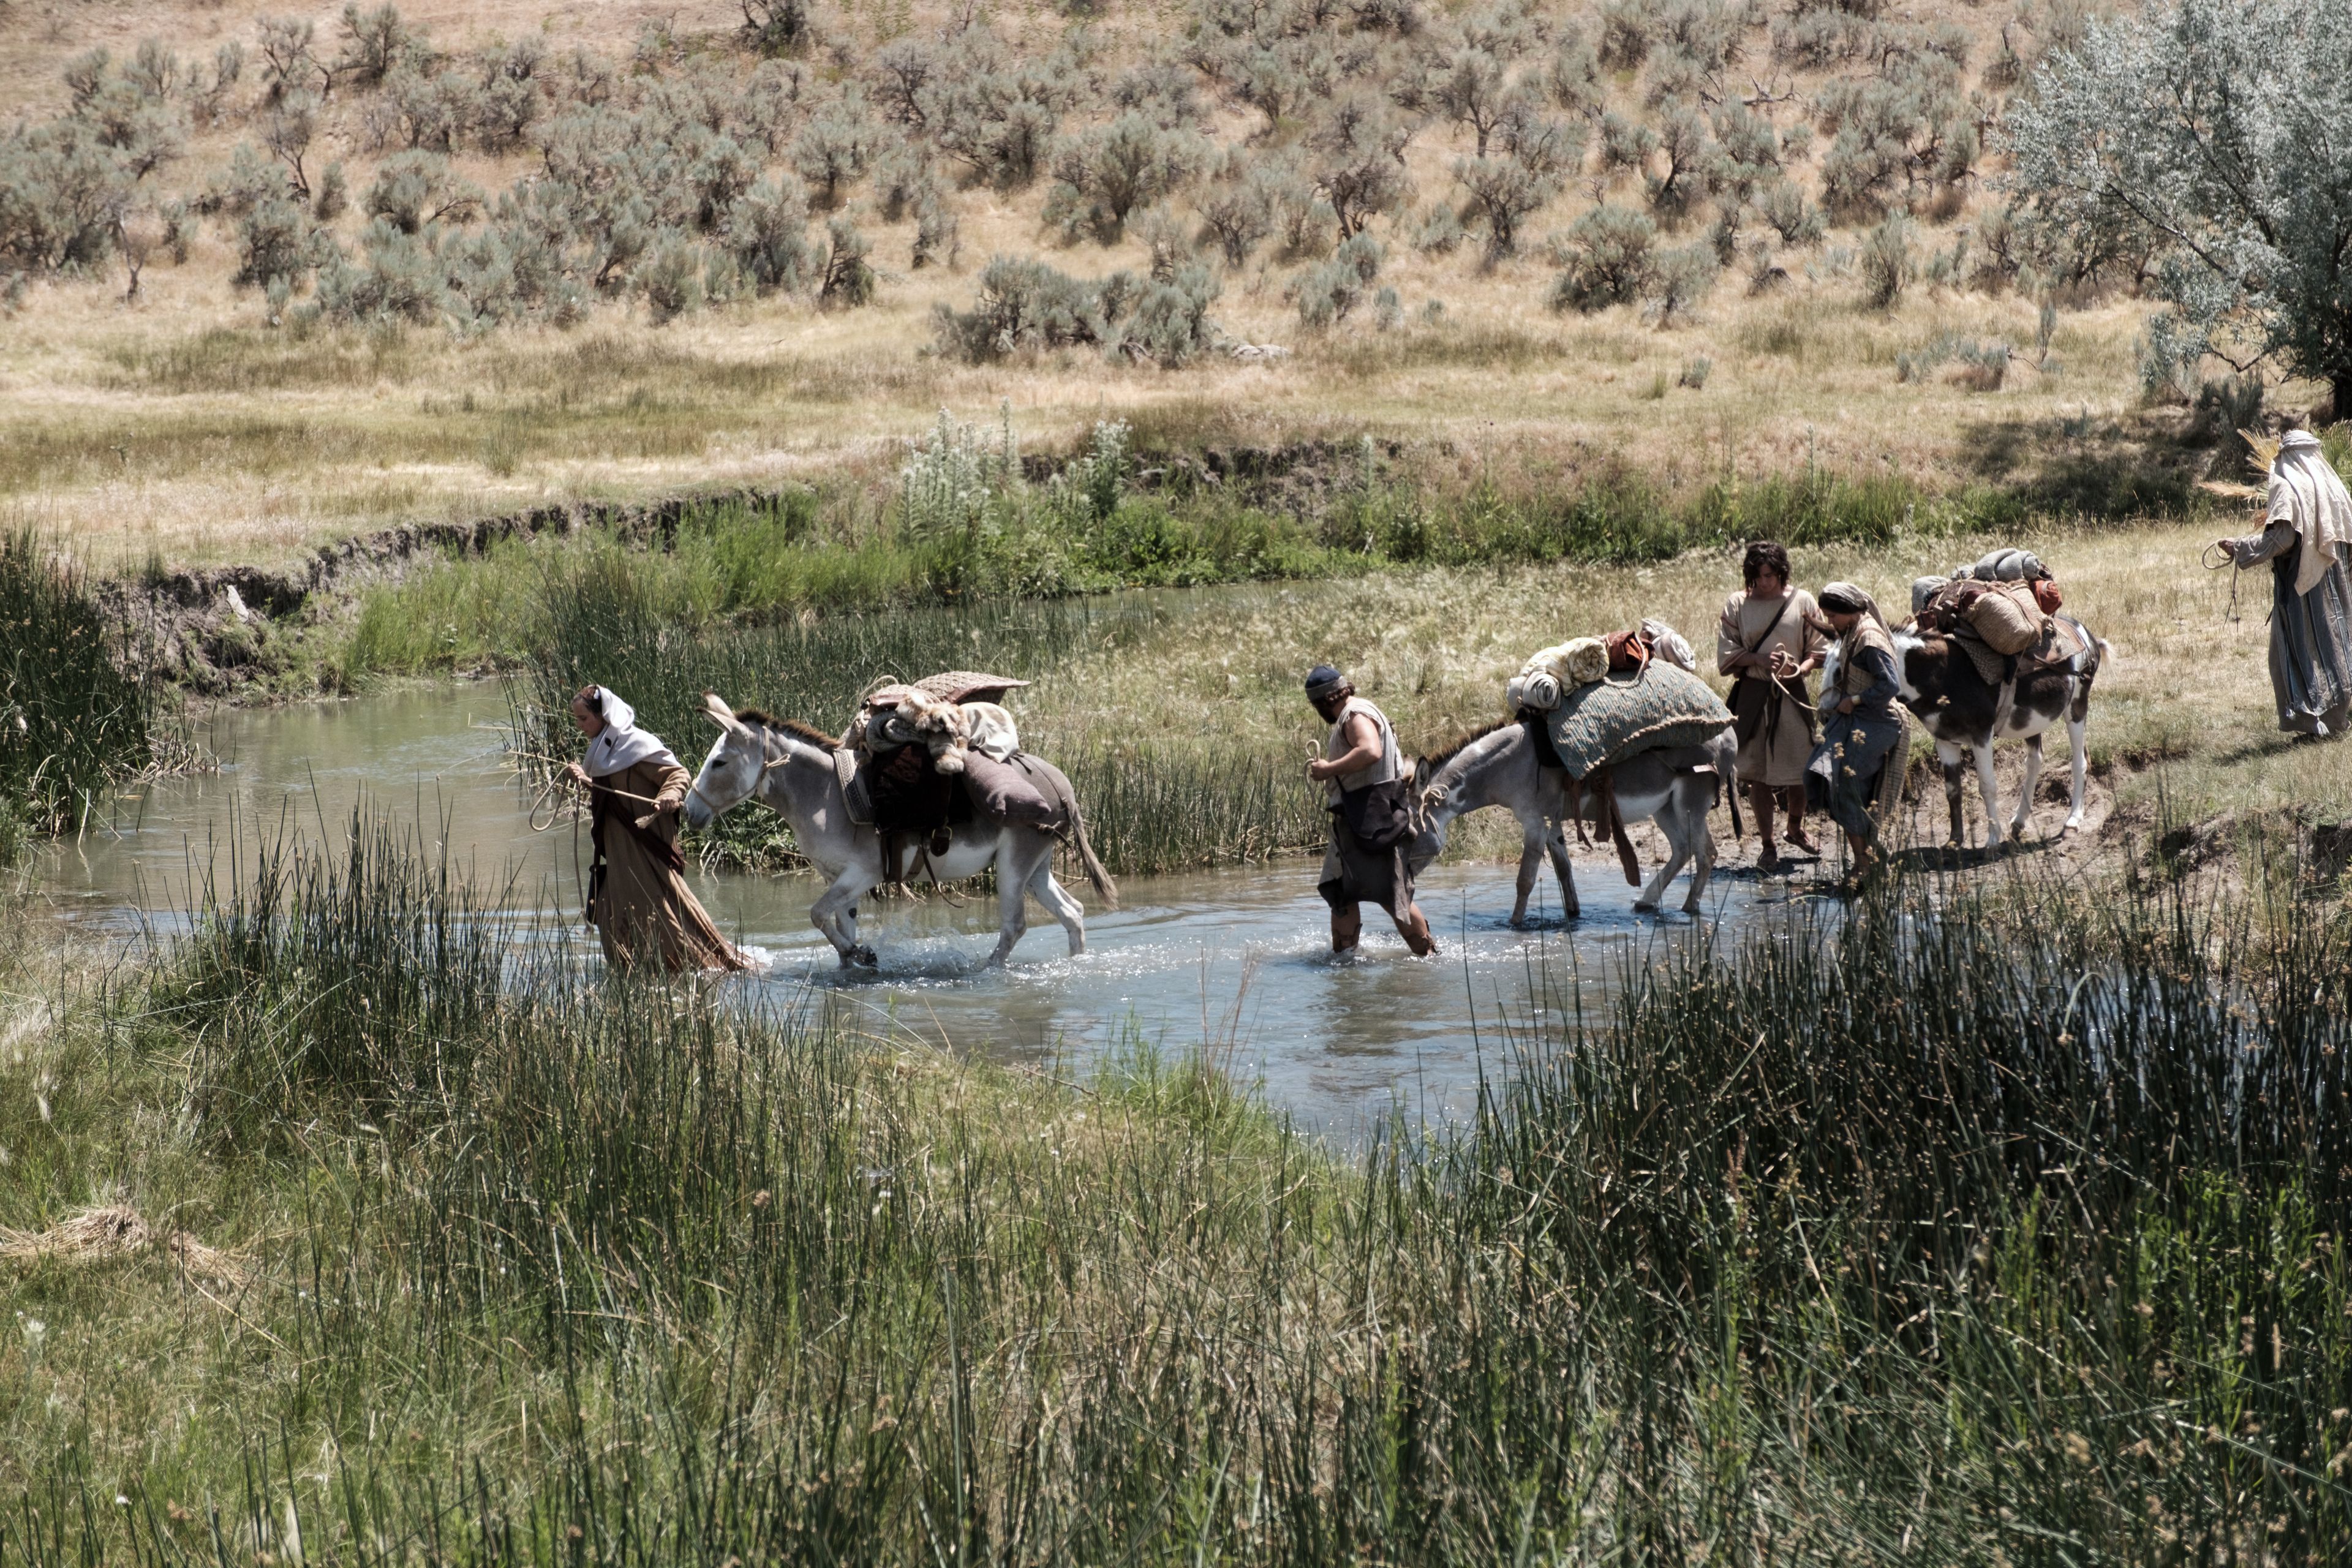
(1237, 959)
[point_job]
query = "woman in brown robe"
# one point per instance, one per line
(637, 896)
(1769, 641)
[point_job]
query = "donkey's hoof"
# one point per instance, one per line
(860, 957)
(1644, 907)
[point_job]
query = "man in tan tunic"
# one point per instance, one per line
(1767, 641)
(1361, 771)
(637, 896)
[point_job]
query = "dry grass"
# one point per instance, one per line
(112, 1233)
(182, 424)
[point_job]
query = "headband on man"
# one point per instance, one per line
(1838, 604)
(1322, 681)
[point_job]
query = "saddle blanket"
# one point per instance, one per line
(1608, 721)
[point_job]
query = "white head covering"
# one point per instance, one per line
(2306, 491)
(620, 744)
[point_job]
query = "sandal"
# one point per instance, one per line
(1798, 841)
(1768, 864)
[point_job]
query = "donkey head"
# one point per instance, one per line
(731, 772)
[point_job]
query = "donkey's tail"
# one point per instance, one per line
(1107, 890)
(1731, 795)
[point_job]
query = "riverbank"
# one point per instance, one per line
(335, 1224)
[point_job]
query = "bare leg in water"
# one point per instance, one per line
(1348, 930)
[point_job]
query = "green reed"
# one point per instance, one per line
(1946, 1227)
(70, 718)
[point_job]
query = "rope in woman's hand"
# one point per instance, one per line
(2227, 560)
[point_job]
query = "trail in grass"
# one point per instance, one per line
(1237, 955)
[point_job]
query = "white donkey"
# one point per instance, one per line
(790, 768)
(1674, 787)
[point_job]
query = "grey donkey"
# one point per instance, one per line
(1500, 767)
(790, 768)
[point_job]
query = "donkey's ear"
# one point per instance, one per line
(715, 708)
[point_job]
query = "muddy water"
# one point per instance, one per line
(1237, 958)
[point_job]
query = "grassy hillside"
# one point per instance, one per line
(453, 260)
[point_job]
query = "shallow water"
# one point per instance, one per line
(1237, 959)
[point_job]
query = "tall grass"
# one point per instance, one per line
(70, 719)
(1944, 1229)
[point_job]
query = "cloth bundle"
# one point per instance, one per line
(1605, 722)
(1545, 681)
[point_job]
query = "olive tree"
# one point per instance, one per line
(2218, 127)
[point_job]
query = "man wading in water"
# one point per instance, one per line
(637, 895)
(1361, 772)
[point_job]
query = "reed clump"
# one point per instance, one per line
(1941, 1226)
(71, 719)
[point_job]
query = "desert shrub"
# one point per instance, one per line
(1912, 123)
(1471, 91)
(1887, 261)
(1328, 292)
(937, 233)
(228, 69)
(1684, 276)
(1104, 172)
(276, 242)
(1796, 220)
(1533, 150)
(1236, 200)
(777, 27)
(996, 114)
(767, 235)
(288, 131)
(1611, 258)
(834, 150)
(510, 99)
(1359, 153)
(848, 280)
(1625, 144)
(1023, 303)
(1163, 89)
(1439, 232)
(671, 278)
(1747, 150)
(414, 189)
(1169, 321)
(374, 43)
(901, 77)
(1694, 373)
(61, 191)
(334, 193)
(288, 62)
(1691, 161)
(1280, 79)
(1626, 27)
(1572, 75)
(396, 276)
(424, 108)
(1304, 224)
